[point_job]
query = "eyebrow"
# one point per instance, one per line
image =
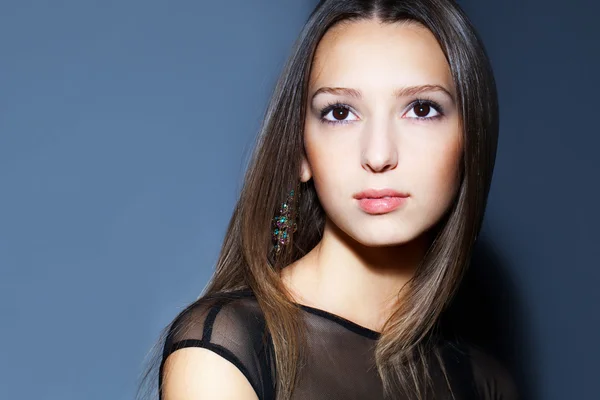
(400, 92)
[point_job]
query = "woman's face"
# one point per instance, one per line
(381, 115)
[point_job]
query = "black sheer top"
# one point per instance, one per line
(340, 363)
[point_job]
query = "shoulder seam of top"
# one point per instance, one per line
(209, 322)
(214, 310)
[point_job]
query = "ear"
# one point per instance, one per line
(305, 170)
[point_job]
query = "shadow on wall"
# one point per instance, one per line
(488, 312)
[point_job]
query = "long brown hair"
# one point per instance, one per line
(246, 259)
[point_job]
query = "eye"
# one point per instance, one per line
(424, 109)
(336, 113)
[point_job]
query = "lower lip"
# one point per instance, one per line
(382, 205)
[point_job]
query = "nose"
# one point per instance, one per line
(379, 150)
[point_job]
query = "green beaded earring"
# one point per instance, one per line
(284, 224)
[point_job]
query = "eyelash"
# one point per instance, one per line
(417, 102)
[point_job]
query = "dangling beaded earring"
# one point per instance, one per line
(284, 224)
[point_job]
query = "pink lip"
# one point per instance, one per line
(377, 194)
(375, 201)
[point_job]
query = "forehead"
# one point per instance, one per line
(371, 54)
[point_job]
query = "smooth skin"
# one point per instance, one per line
(382, 145)
(195, 373)
(380, 139)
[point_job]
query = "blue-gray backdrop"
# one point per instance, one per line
(125, 128)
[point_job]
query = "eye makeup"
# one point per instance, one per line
(416, 103)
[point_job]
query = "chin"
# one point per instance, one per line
(383, 239)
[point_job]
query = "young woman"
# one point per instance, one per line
(356, 221)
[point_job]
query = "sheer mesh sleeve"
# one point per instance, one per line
(492, 379)
(232, 328)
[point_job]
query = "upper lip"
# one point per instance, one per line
(379, 193)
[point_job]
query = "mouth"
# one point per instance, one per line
(381, 205)
(379, 194)
(373, 201)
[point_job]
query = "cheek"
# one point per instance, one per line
(331, 166)
(439, 171)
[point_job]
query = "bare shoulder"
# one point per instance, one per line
(196, 373)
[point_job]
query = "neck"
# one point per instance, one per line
(357, 282)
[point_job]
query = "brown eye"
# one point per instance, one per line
(424, 111)
(337, 114)
(421, 110)
(340, 113)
